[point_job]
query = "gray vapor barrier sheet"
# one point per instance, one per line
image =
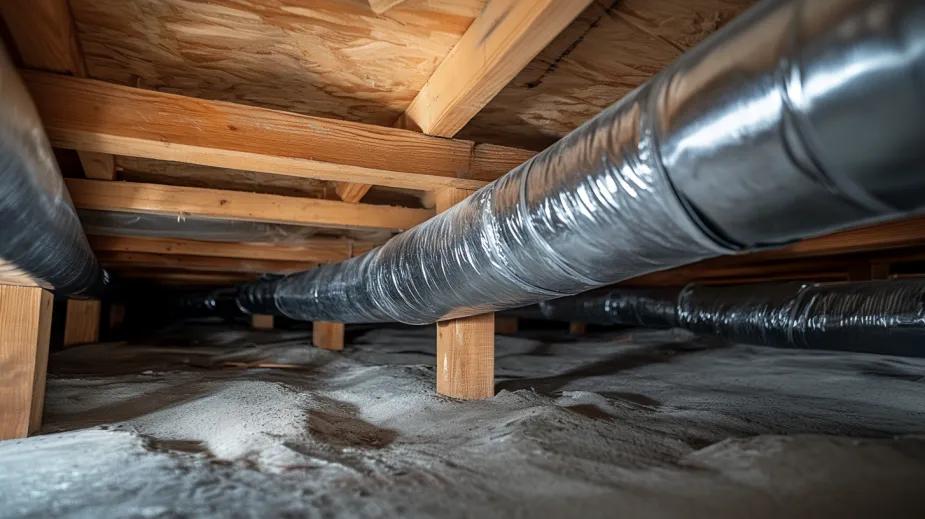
(799, 118)
(40, 235)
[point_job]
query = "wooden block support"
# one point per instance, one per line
(262, 322)
(505, 325)
(577, 328)
(466, 346)
(25, 328)
(82, 323)
(466, 357)
(328, 335)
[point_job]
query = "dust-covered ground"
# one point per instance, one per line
(625, 424)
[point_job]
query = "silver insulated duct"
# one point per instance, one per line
(871, 316)
(40, 234)
(800, 118)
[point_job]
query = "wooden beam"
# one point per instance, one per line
(350, 192)
(466, 346)
(98, 166)
(201, 263)
(90, 115)
(188, 278)
(238, 205)
(317, 250)
(82, 322)
(495, 48)
(261, 322)
(381, 6)
(25, 328)
(328, 335)
(46, 38)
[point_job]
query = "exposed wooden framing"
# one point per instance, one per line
(495, 48)
(317, 250)
(25, 328)
(262, 322)
(328, 335)
(498, 45)
(89, 115)
(381, 6)
(187, 278)
(82, 322)
(237, 205)
(46, 39)
(350, 192)
(821, 258)
(98, 166)
(201, 263)
(466, 346)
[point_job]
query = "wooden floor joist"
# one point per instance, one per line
(46, 39)
(316, 250)
(201, 263)
(25, 329)
(90, 115)
(237, 205)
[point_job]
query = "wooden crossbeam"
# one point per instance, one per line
(316, 250)
(238, 205)
(201, 263)
(46, 38)
(495, 48)
(90, 115)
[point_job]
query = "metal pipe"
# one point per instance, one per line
(873, 316)
(40, 234)
(798, 119)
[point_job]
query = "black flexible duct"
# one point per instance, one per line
(40, 234)
(873, 316)
(800, 118)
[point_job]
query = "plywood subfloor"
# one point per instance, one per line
(609, 50)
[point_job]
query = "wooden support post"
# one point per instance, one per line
(82, 323)
(466, 346)
(466, 357)
(577, 328)
(505, 325)
(25, 328)
(262, 322)
(328, 335)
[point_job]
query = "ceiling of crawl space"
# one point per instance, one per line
(339, 59)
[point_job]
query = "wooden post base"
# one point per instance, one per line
(466, 357)
(25, 329)
(505, 325)
(328, 335)
(82, 322)
(261, 322)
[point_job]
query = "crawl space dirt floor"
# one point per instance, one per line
(216, 421)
